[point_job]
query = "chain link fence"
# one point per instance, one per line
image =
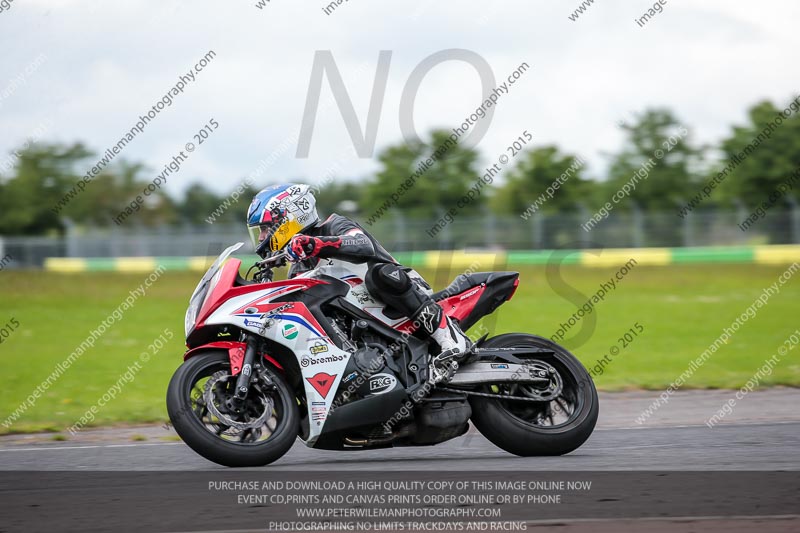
(398, 233)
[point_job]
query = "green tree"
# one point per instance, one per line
(537, 170)
(658, 160)
(434, 189)
(45, 174)
(657, 171)
(40, 178)
(199, 202)
(116, 189)
(338, 196)
(769, 156)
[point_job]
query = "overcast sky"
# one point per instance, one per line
(98, 65)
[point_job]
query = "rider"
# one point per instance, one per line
(285, 216)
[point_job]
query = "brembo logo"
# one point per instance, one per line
(306, 361)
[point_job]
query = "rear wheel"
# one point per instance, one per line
(563, 415)
(257, 433)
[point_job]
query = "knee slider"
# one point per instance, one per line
(393, 285)
(388, 278)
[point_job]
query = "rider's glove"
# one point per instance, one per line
(302, 246)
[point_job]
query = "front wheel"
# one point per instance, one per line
(554, 426)
(256, 433)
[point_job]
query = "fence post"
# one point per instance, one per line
(686, 230)
(447, 236)
(795, 215)
(637, 226)
(583, 235)
(70, 237)
(491, 230)
(538, 225)
(741, 212)
(399, 228)
(116, 241)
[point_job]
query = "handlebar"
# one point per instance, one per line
(264, 273)
(274, 261)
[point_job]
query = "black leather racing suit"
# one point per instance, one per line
(386, 279)
(357, 246)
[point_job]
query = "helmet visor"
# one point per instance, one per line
(278, 235)
(259, 233)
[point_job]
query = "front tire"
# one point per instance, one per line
(206, 434)
(521, 427)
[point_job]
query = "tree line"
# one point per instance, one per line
(35, 177)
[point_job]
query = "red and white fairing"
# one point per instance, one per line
(290, 323)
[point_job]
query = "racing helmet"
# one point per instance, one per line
(278, 213)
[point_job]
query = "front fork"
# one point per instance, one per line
(243, 381)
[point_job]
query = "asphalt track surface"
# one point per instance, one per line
(773, 446)
(672, 473)
(762, 433)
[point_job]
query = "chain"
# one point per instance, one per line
(498, 396)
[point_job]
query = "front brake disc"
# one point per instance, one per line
(209, 394)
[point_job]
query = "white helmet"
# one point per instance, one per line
(278, 213)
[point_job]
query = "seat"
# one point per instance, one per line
(465, 282)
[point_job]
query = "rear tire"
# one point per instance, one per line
(496, 421)
(186, 416)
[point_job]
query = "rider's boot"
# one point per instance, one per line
(408, 297)
(454, 346)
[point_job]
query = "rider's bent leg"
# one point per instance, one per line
(393, 284)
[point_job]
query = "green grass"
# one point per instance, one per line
(682, 309)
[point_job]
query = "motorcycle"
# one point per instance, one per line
(319, 357)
